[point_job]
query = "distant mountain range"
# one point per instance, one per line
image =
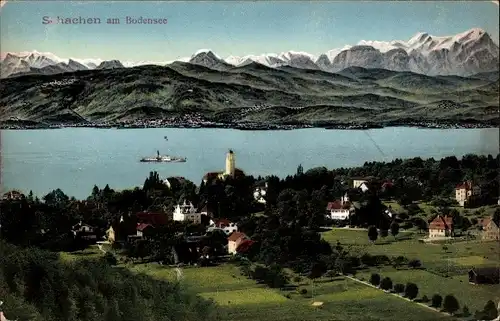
(464, 54)
(249, 93)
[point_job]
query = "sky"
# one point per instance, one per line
(229, 27)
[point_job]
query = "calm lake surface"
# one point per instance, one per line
(74, 159)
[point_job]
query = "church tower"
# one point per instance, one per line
(230, 164)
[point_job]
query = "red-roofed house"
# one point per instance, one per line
(144, 229)
(464, 192)
(491, 230)
(386, 185)
(154, 219)
(234, 240)
(441, 227)
(244, 246)
(339, 210)
(223, 224)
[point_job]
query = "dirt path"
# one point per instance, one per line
(99, 246)
(179, 274)
(403, 298)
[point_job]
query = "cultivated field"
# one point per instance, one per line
(446, 264)
(243, 299)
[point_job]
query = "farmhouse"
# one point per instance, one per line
(490, 230)
(144, 230)
(110, 235)
(84, 231)
(361, 183)
(441, 227)
(466, 192)
(485, 275)
(234, 240)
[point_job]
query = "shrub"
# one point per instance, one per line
(411, 290)
(382, 259)
(490, 310)
(110, 258)
(465, 311)
(372, 233)
(399, 288)
(303, 291)
(425, 298)
(436, 301)
(450, 304)
(400, 260)
(297, 279)
(375, 279)
(367, 259)
(386, 284)
(414, 264)
(288, 296)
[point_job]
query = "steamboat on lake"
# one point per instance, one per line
(163, 159)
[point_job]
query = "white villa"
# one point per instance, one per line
(186, 212)
(260, 193)
(465, 192)
(340, 210)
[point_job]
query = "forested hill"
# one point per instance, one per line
(252, 93)
(35, 285)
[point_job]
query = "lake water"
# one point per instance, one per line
(74, 159)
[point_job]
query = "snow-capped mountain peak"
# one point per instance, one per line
(468, 52)
(206, 52)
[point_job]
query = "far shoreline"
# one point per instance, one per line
(254, 126)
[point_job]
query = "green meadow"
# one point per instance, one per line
(239, 298)
(446, 264)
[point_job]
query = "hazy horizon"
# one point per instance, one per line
(229, 28)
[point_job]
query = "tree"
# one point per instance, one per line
(330, 274)
(399, 288)
(411, 290)
(394, 229)
(386, 284)
(372, 233)
(450, 304)
(110, 258)
(496, 217)
(375, 279)
(465, 311)
(317, 270)
(436, 301)
(490, 311)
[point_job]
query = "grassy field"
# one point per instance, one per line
(242, 299)
(474, 296)
(453, 259)
(88, 253)
(428, 209)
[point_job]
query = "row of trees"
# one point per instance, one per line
(449, 304)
